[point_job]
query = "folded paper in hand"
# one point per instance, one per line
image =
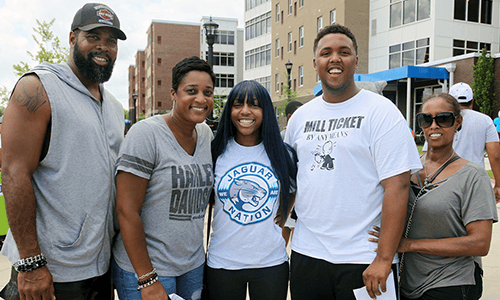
(390, 294)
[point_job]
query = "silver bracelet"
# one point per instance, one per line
(147, 274)
(29, 264)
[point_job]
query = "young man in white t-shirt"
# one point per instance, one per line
(355, 156)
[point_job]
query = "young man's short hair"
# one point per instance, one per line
(335, 28)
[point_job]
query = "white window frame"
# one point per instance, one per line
(319, 23)
(301, 36)
(301, 75)
(333, 16)
(277, 47)
(401, 16)
(277, 79)
(277, 12)
(290, 42)
(290, 7)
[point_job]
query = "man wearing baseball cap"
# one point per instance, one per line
(61, 135)
(478, 134)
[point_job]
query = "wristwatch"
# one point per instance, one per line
(30, 263)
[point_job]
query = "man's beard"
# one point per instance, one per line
(89, 69)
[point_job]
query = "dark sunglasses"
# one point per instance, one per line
(443, 120)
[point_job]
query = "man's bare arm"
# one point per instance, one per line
(23, 131)
(393, 219)
(493, 149)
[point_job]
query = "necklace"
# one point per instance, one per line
(426, 180)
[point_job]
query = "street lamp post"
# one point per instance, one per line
(211, 34)
(134, 99)
(289, 66)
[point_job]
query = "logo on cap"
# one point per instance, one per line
(94, 15)
(105, 14)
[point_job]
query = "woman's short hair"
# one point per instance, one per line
(187, 65)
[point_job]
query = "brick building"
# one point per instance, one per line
(151, 77)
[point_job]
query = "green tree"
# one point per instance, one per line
(287, 95)
(4, 98)
(483, 82)
(50, 48)
(141, 117)
(50, 51)
(218, 107)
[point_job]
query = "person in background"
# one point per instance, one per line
(254, 175)
(290, 108)
(478, 134)
(450, 213)
(355, 155)
(61, 135)
(164, 180)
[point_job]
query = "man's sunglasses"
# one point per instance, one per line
(443, 120)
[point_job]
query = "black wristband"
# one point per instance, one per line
(155, 275)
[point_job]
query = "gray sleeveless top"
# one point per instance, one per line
(74, 184)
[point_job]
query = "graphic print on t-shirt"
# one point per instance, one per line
(248, 192)
(322, 157)
(191, 187)
(328, 132)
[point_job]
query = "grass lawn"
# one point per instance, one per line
(419, 149)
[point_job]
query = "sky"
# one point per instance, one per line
(18, 18)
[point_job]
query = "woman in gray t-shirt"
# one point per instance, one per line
(450, 215)
(164, 180)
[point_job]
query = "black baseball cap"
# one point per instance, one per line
(94, 15)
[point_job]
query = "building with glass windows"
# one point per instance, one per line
(413, 32)
(257, 44)
(437, 37)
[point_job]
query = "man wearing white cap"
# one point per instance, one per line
(478, 134)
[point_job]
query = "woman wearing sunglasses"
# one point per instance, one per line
(451, 209)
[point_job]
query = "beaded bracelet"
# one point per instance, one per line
(147, 274)
(155, 276)
(148, 283)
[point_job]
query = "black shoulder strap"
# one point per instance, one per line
(210, 209)
(442, 168)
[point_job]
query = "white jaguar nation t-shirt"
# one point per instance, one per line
(246, 202)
